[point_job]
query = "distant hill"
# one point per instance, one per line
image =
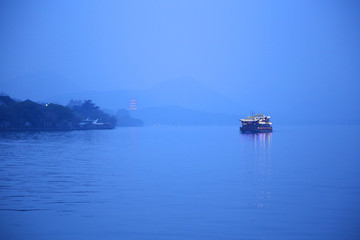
(185, 93)
(188, 93)
(174, 116)
(111, 100)
(173, 102)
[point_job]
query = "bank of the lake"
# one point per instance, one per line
(16, 115)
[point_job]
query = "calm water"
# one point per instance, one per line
(181, 183)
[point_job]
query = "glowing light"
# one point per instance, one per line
(132, 105)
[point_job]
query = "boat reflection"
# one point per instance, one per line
(258, 164)
(257, 140)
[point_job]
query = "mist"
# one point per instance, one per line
(285, 59)
(119, 119)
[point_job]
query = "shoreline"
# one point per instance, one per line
(52, 129)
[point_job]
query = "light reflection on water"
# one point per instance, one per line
(262, 140)
(261, 146)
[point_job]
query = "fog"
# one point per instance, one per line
(296, 61)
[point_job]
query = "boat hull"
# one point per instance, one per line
(255, 129)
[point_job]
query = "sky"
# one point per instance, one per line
(279, 56)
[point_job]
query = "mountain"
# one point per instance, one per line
(185, 93)
(188, 93)
(111, 100)
(179, 116)
(174, 102)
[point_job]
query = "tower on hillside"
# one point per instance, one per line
(132, 105)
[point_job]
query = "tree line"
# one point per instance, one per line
(29, 114)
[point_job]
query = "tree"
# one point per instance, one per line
(88, 109)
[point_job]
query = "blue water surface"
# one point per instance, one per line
(299, 182)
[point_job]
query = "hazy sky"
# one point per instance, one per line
(275, 52)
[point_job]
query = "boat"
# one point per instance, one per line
(256, 123)
(94, 124)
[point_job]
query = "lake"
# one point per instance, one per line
(299, 182)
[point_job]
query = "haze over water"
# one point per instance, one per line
(183, 62)
(280, 58)
(181, 183)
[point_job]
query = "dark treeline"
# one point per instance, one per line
(31, 115)
(88, 110)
